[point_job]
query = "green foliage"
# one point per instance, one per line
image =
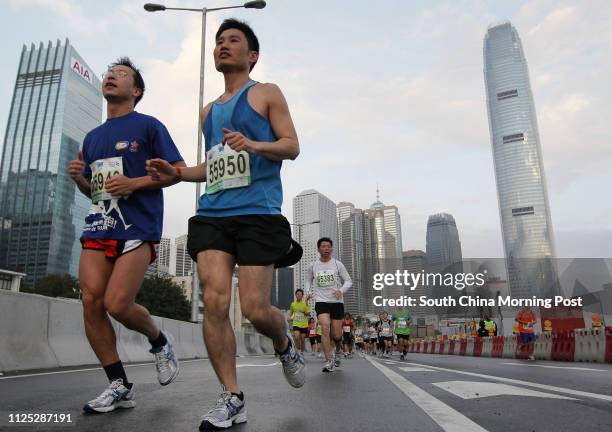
(56, 285)
(164, 298)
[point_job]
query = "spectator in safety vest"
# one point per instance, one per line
(490, 326)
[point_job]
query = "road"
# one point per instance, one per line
(423, 393)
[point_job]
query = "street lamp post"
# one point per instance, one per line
(153, 7)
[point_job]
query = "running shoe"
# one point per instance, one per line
(402, 357)
(166, 363)
(228, 410)
(329, 366)
(116, 395)
(293, 365)
(336, 360)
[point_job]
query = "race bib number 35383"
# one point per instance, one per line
(101, 171)
(226, 169)
(325, 278)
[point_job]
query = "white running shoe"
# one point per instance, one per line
(293, 365)
(116, 395)
(228, 410)
(166, 363)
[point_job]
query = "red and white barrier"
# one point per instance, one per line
(587, 345)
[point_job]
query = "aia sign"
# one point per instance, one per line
(81, 69)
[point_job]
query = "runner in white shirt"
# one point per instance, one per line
(327, 281)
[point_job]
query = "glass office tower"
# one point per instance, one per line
(56, 101)
(519, 171)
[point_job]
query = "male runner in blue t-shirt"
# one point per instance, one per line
(122, 230)
(248, 132)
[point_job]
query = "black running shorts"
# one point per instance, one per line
(300, 329)
(257, 240)
(335, 310)
(347, 338)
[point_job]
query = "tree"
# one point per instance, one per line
(56, 285)
(164, 298)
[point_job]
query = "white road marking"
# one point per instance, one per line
(445, 416)
(257, 365)
(557, 367)
(126, 366)
(416, 369)
(475, 390)
(88, 369)
(525, 383)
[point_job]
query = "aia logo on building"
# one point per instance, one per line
(81, 69)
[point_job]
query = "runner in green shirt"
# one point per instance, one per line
(402, 319)
(298, 315)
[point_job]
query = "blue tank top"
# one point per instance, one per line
(265, 193)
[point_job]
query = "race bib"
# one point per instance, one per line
(101, 171)
(358, 339)
(226, 169)
(313, 332)
(326, 278)
(346, 329)
(298, 316)
(386, 330)
(401, 323)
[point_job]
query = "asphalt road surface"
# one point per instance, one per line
(423, 393)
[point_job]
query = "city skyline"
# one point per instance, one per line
(412, 95)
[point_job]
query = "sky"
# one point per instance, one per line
(387, 93)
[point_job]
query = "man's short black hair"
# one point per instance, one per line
(324, 239)
(138, 81)
(233, 23)
(299, 289)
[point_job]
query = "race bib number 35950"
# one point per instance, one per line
(101, 171)
(226, 169)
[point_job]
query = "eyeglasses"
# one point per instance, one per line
(115, 72)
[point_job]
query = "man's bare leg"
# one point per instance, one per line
(215, 269)
(94, 272)
(123, 286)
(325, 322)
(255, 285)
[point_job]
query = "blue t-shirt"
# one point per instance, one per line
(265, 193)
(134, 138)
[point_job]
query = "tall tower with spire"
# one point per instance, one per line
(383, 246)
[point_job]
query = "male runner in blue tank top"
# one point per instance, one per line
(248, 132)
(122, 229)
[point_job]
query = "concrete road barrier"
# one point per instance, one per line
(38, 332)
(24, 342)
(66, 332)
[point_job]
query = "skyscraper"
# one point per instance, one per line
(314, 216)
(415, 261)
(442, 243)
(351, 253)
(517, 157)
(443, 256)
(383, 248)
(163, 256)
(57, 99)
(183, 260)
